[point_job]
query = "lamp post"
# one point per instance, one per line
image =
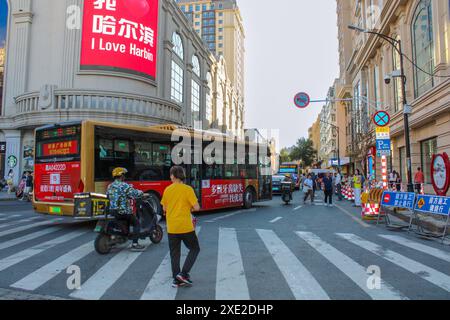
(397, 44)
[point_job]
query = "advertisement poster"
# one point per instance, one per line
(222, 193)
(28, 158)
(120, 35)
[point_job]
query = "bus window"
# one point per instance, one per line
(231, 171)
(122, 149)
(142, 153)
(105, 149)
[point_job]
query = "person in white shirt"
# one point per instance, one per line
(308, 189)
(338, 185)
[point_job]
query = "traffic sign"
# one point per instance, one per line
(302, 100)
(381, 119)
(383, 141)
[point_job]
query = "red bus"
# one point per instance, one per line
(79, 157)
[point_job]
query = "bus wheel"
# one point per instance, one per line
(248, 199)
(155, 203)
(102, 245)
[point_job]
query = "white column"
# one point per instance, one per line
(13, 153)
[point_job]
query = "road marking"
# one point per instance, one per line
(28, 253)
(96, 286)
(31, 236)
(276, 219)
(431, 275)
(13, 223)
(231, 283)
(350, 268)
(22, 228)
(46, 273)
(11, 216)
(160, 285)
(419, 247)
(365, 225)
(301, 282)
(298, 208)
(230, 215)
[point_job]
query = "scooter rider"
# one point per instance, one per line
(119, 193)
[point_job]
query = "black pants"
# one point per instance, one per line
(339, 191)
(328, 196)
(132, 221)
(307, 195)
(190, 240)
(418, 188)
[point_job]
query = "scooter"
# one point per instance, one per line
(286, 191)
(117, 231)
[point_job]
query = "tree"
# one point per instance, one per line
(304, 151)
(285, 155)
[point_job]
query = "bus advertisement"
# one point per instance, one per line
(292, 169)
(79, 157)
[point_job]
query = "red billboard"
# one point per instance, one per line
(222, 193)
(120, 35)
(63, 148)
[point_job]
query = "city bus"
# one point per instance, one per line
(292, 168)
(79, 157)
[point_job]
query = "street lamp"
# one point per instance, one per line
(397, 44)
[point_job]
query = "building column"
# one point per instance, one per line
(13, 157)
(441, 35)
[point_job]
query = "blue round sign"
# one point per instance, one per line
(302, 100)
(381, 118)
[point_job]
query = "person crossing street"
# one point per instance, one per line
(328, 189)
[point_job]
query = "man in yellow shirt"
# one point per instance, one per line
(179, 200)
(357, 185)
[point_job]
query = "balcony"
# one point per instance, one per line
(65, 105)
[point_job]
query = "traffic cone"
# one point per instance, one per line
(370, 211)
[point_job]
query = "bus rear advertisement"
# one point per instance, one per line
(79, 158)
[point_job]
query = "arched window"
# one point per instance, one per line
(196, 64)
(423, 50)
(209, 107)
(3, 27)
(177, 70)
(178, 45)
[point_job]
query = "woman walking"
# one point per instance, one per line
(179, 201)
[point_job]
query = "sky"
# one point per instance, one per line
(290, 48)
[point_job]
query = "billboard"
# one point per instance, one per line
(121, 36)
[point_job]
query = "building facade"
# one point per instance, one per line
(49, 76)
(368, 65)
(314, 134)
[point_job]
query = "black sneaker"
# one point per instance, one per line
(135, 247)
(184, 279)
(177, 284)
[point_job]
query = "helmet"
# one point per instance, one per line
(118, 172)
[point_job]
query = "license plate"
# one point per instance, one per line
(98, 229)
(56, 210)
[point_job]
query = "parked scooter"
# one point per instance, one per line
(286, 191)
(117, 231)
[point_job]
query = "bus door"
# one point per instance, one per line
(265, 178)
(194, 176)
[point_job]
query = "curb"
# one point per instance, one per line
(8, 294)
(427, 224)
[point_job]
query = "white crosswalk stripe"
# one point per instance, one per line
(31, 236)
(231, 283)
(350, 268)
(301, 282)
(419, 247)
(29, 226)
(160, 285)
(16, 222)
(28, 253)
(44, 274)
(431, 275)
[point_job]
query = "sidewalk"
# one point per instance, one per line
(4, 196)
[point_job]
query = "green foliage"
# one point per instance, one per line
(285, 155)
(303, 151)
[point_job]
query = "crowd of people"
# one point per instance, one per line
(25, 187)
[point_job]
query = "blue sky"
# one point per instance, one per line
(3, 18)
(291, 46)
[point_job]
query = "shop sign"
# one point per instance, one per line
(440, 173)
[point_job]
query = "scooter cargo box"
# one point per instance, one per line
(90, 205)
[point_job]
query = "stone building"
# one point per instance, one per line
(47, 79)
(367, 61)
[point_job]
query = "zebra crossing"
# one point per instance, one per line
(231, 268)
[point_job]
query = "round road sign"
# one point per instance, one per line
(302, 100)
(381, 118)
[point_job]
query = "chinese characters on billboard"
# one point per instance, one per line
(120, 35)
(222, 193)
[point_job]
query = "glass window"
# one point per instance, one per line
(376, 79)
(196, 64)
(208, 111)
(427, 149)
(177, 82)
(422, 35)
(195, 108)
(178, 45)
(398, 99)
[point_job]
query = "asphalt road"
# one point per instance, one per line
(271, 252)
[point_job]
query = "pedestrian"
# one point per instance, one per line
(392, 180)
(328, 189)
(419, 180)
(308, 187)
(314, 186)
(178, 201)
(338, 185)
(10, 181)
(398, 182)
(357, 184)
(28, 186)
